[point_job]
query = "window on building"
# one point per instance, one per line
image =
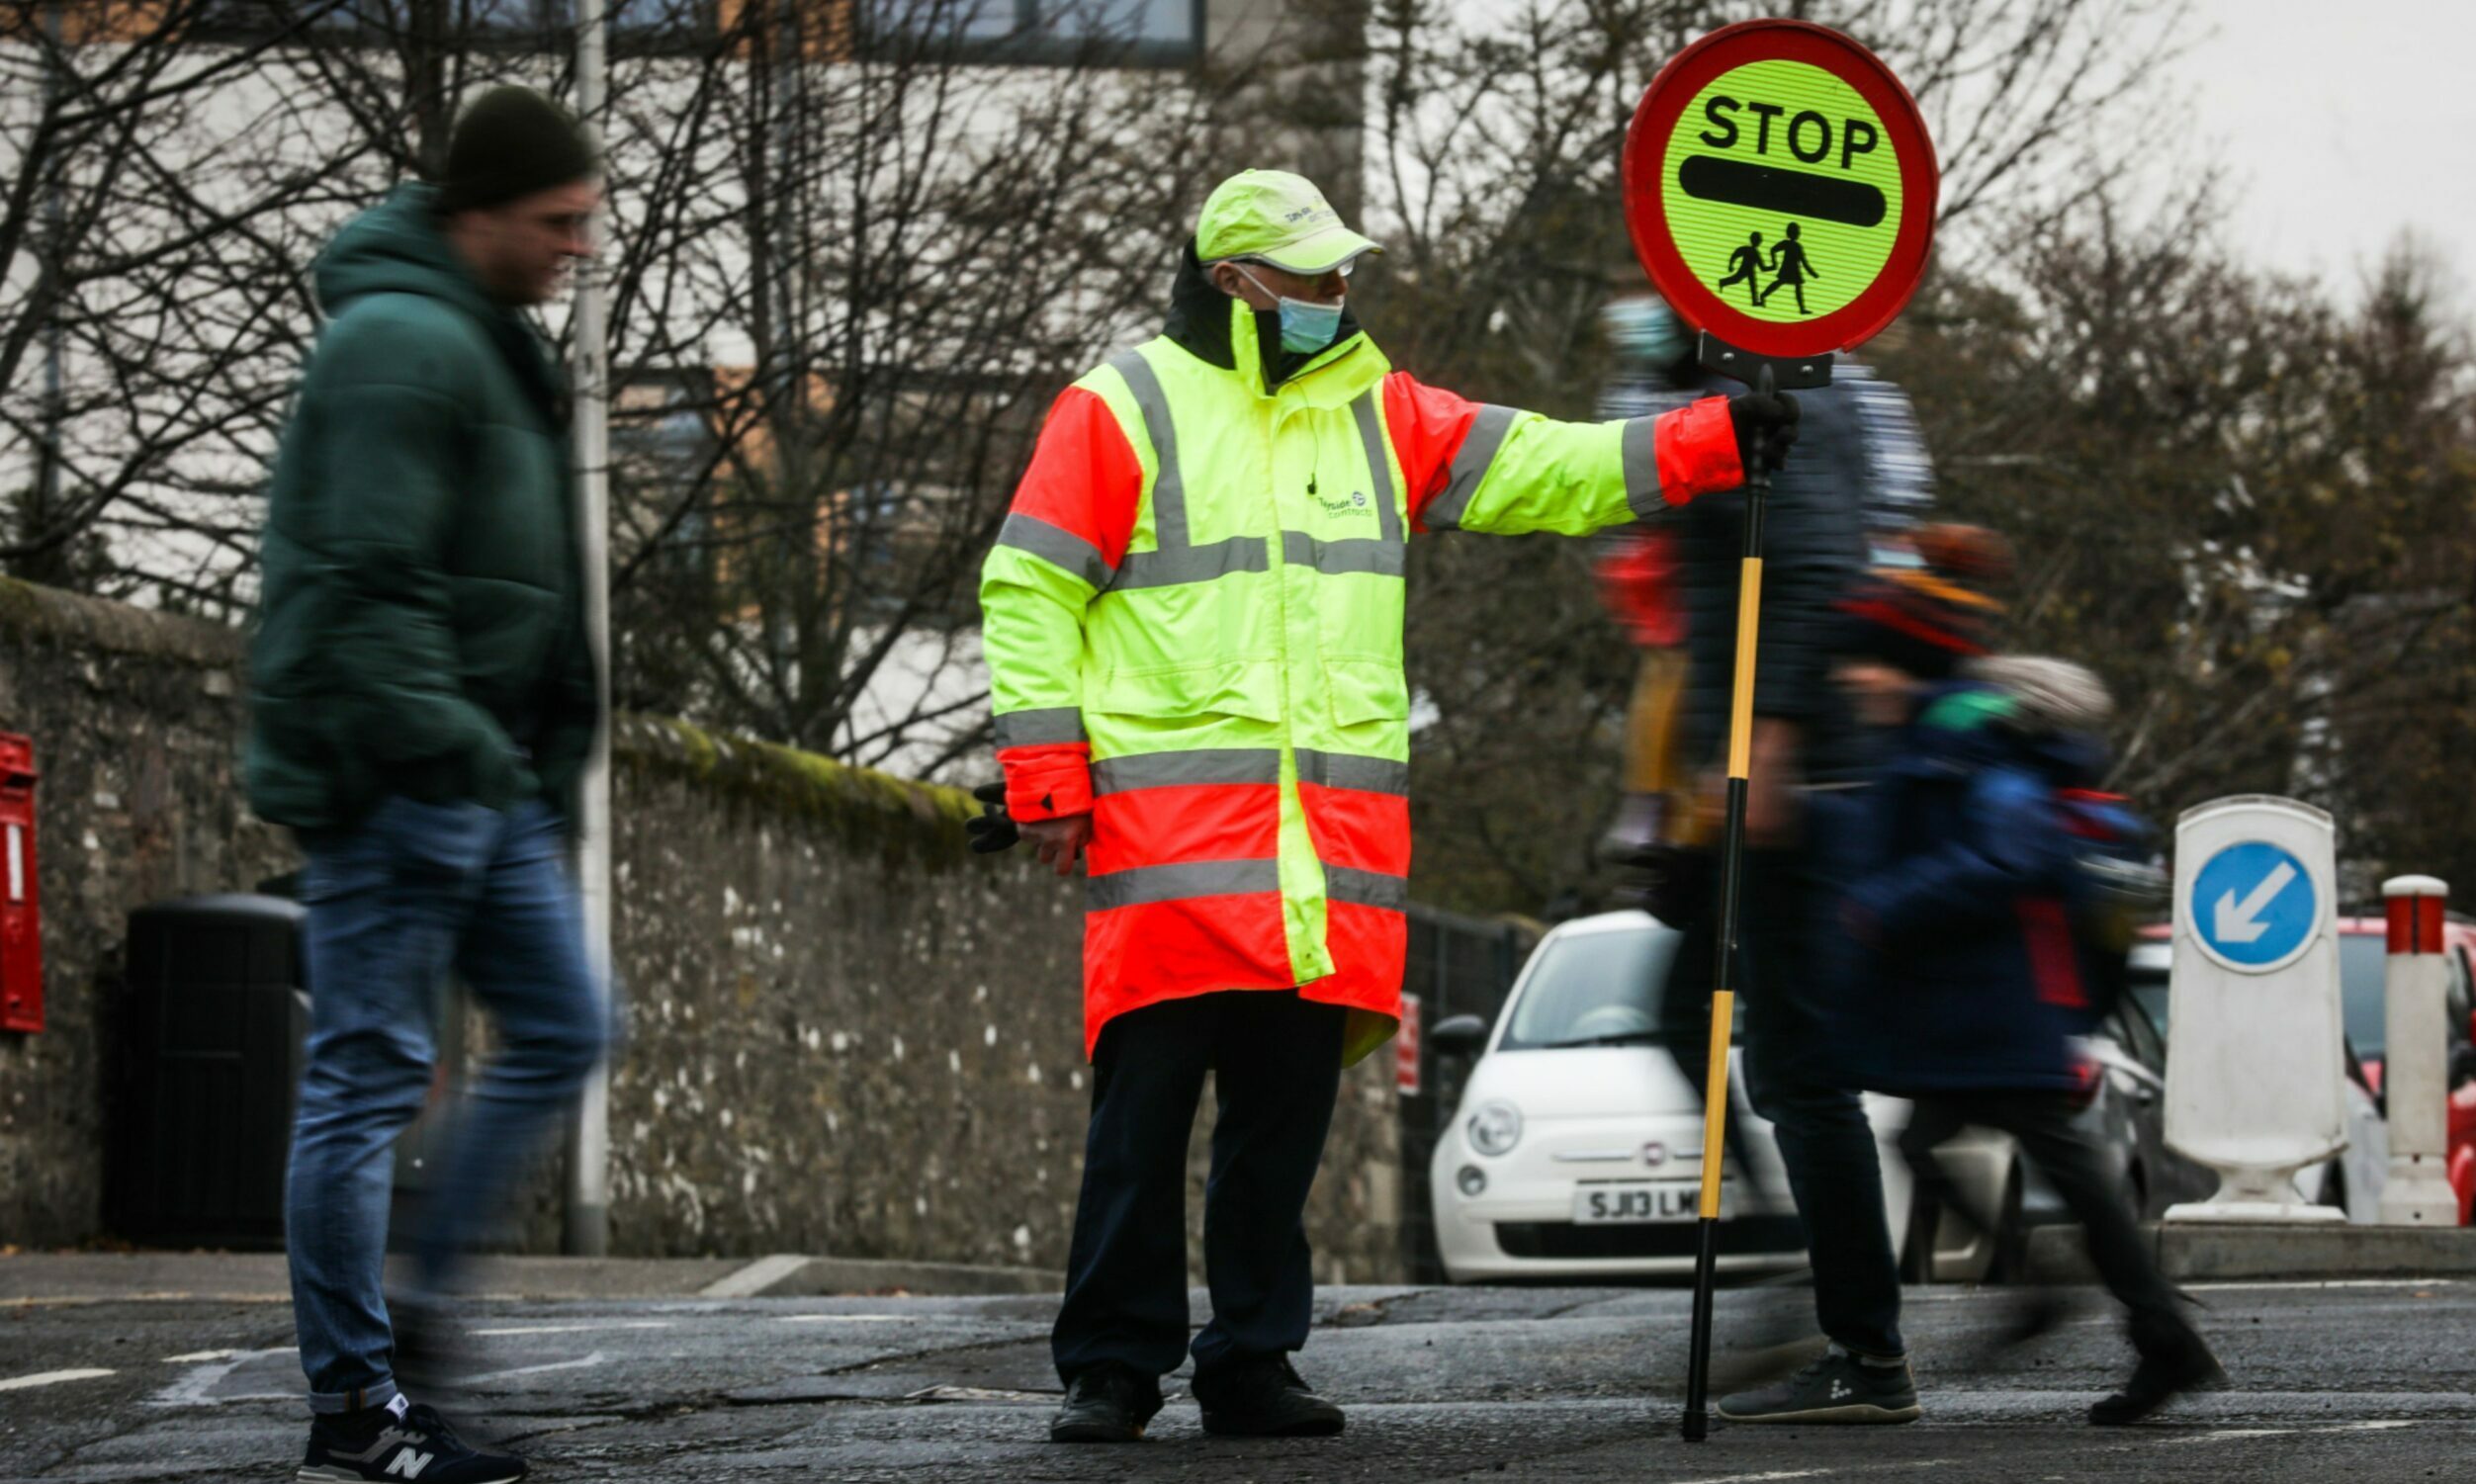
(502, 22)
(662, 467)
(1143, 32)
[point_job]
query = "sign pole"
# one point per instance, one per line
(1696, 1426)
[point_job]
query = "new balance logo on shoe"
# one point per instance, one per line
(1840, 1389)
(408, 1464)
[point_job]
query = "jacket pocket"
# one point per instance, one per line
(1366, 690)
(1248, 689)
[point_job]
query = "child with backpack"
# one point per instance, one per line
(1980, 881)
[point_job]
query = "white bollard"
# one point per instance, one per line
(2415, 1073)
(2255, 1076)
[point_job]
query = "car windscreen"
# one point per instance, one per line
(2147, 985)
(2363, 994)
(1593, 988)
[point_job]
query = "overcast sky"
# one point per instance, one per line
(2342, 122)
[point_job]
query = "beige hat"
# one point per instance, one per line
(1277, 218)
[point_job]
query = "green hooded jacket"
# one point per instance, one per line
(421, 623)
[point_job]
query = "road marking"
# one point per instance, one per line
(191, 1390)
(845, 1317)
(756, 1278)
(2230, 1434)
(50, 1378)
(2323, 1284)
(580, 1364)
(194, 1356)
(578, 1329)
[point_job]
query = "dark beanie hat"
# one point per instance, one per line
(1925, 620)
(511, 143)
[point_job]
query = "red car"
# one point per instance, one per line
(2363, 996)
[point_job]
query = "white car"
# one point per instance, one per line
(1576, 1150)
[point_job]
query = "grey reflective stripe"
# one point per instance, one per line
(1357, 553)
(1641, 468)
(1026, 533)
(1192, 564)
(1029, 729)
(1366, 888)
(1374, 775)
(1175, 883)
(1378, 467)
(1470, 465)
(1116, 775)
(1169, 486)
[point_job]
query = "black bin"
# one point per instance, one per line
(218, 1010)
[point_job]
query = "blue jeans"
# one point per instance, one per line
(395, 902)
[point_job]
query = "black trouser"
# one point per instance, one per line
(1275, 1065)
(1794, 1080)
(2041, 1123)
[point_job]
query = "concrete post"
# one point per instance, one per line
(2415, 1073)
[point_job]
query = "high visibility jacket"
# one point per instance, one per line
(1193, 619)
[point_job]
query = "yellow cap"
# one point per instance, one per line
(1277, 218)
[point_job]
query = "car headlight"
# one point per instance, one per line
(1496, 1128)
(1472, 1181)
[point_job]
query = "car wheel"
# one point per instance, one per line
(1916, 1254)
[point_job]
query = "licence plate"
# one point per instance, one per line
(1637, 1200)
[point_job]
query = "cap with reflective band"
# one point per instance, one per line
(1277, 218)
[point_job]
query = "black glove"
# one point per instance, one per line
(994, 829)
(1765, 426)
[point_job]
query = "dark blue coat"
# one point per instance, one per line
(1947, 934)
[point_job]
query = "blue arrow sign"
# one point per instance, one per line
(2254, 905)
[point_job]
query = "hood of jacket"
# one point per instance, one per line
(398, 248)
(2048, 714)
(2047, 695)
(1204, 321)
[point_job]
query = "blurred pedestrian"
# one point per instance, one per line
(1963, 859)
(1822, 518)
(422, 702)
(1194, 623)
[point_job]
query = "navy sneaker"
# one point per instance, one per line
(1837, 1388)
(395, 1442)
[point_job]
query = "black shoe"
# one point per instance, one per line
(2173, 1359)
(1105, 1404)
(395, 1443)
(1837, 1388)
(1263, 1399)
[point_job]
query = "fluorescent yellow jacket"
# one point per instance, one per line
(1193, 618)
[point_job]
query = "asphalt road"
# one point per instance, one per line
(2339, 1384)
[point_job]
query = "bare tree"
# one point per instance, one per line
(1494, 138)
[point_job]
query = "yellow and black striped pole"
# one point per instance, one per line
(1724, 957)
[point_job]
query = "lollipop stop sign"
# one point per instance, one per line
(1780, 187)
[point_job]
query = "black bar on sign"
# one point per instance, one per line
(1791, 192)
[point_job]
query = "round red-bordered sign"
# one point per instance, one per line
(1743, 179)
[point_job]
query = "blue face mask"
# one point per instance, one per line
(1307, 326)
(1645, 333)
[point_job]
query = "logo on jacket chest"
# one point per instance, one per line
(1355, 500)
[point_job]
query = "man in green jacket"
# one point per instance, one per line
(423, 701)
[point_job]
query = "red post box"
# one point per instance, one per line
(21, 905)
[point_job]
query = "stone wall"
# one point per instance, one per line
(136, 718)
(847, 1034)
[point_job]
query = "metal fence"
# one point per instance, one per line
(1457, 966)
